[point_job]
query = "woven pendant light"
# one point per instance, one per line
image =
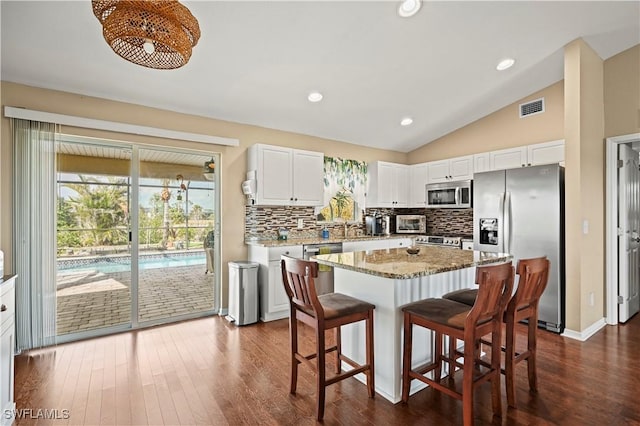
(153, 33)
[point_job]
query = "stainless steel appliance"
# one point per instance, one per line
(324, 282)
(243, 292)
(429, 240)
(455, 195)
(377, 225)
(411, 224)
(521, 212)
(467, 244)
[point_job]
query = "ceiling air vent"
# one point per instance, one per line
(531, 108)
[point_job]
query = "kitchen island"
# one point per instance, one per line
(391, 279)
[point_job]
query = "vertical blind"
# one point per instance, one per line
(34, 146)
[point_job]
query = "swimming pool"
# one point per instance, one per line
(123, 263)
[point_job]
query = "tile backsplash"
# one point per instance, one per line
(263, 222)
(454, 222)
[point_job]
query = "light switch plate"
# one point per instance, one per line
(300, 223)
(585, 227)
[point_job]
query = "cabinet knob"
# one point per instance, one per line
(295, 199)
(522, 165)
(3, 308)
(528, 164)
(291, 199)
(286, 252)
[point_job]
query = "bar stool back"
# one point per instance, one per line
(534, 275)
(461, 322)
(322, 313)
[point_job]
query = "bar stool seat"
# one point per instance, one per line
(461, 322)
(323, 313)
(523, 305)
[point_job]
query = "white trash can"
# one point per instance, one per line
(243, 292)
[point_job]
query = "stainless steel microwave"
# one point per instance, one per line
(455, 195)
(411, 224)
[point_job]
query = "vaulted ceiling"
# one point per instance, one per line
(256, 62)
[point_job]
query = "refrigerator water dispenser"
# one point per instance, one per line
(489, 231)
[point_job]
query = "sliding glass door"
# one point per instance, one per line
(176, 240)
(93, 228)
(135, 236)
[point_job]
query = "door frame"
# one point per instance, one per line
(611, 223)
(134, 170)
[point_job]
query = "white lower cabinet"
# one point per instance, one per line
(7, 349)
(381, 244)
(400, 242)
(274, 303)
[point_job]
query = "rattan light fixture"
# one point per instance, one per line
(153, 33)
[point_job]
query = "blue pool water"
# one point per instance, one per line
(123, 264)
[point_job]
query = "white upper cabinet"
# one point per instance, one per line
(308, 178)
(508, 158)
(529, 155)
(546, 153)
(481, 162)
(453, 169)
(438, 171)
(388, 185)
(461, 168)
(418, 177)
(287, 177)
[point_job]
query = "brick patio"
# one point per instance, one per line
(90, 300)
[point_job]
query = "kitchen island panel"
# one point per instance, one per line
(389, 295)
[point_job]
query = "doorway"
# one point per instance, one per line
(136, 236)
(620, 279)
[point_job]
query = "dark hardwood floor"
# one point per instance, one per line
(210, 372)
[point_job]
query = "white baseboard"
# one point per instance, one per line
(587, 332)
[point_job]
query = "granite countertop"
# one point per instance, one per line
(398, 264)
(319, 240)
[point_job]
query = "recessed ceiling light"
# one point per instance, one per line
(505, 64)
(315, 97)
(406, 121)
(409, 8)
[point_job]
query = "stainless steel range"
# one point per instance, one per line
(429, 240)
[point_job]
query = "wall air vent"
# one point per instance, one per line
(531, 108)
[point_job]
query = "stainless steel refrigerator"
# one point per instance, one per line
(521, 212)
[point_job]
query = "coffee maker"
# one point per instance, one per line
(377, 225)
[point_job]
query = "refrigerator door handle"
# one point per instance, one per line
(507, 222)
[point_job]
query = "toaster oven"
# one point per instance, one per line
(411, 224)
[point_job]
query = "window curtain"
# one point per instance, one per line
(349, 175)
(34, 217)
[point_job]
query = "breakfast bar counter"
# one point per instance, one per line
(391, 279)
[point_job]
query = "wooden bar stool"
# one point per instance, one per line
(534, 275)
(322, 313)
(460, 321)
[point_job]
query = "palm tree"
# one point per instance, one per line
(165, 195)
(342, 200)
(101, 209)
